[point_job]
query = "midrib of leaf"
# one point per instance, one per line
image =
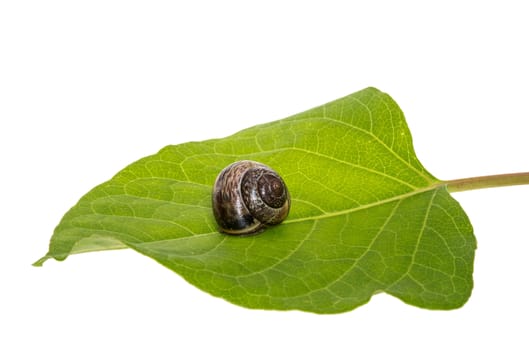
(311, 218)
(325, 215)
(365, 206)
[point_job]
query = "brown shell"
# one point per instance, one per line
(249, 196)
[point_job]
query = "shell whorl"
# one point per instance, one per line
(249, 196)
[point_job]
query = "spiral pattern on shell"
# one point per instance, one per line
(249, 196)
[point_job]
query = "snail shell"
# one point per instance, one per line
(249, 196)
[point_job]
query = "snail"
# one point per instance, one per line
(249, 196)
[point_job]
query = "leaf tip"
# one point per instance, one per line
(41, 261)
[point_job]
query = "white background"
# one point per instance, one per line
(87, 87)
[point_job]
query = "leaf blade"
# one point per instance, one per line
(350, 167)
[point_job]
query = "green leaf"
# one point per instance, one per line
(366, 217)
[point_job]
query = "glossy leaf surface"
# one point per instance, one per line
(366, 217)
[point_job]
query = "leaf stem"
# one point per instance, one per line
(480, 182)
